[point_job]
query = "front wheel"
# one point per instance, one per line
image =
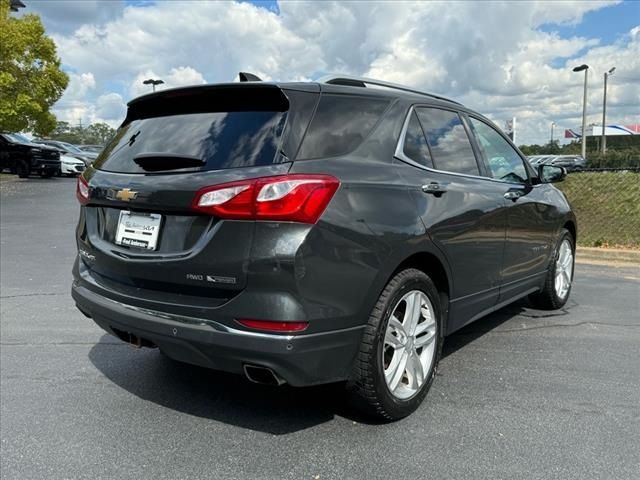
(557, 285)
(400, 349)
(22, 169)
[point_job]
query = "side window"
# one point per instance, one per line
(415, 144)
(447, 137)
(504, 162)
(340, 125)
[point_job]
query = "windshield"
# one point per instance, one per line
(70, 148)
(16, 137)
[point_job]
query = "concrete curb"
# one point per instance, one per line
(601, 256)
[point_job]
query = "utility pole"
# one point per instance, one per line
(584, 67)
(553, 124)
(603, 143)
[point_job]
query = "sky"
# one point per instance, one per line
(503, 59)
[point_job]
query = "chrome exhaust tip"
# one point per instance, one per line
(262, 375)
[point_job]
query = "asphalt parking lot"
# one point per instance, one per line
(520, 394)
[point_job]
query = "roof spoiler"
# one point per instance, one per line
(249, 77)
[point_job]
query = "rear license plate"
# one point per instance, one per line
(140, 230)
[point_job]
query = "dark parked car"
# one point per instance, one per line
(70, 150)
(22, 157)
(571, 163)
(307, 233)
(91, 148)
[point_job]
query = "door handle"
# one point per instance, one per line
(434, 188)
(513, 195)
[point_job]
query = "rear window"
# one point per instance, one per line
(340, 125)
(199, 141)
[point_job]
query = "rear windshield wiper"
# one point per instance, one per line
(158, 162)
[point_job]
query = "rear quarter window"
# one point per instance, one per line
(340, 124)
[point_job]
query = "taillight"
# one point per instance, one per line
(295, 198)
(82, 190)
(274, 326)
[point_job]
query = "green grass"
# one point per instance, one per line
(607, 206)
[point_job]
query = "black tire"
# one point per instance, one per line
(367, 388)
(22, 169)
(547, 298)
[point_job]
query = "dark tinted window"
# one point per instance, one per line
(504, 162)
(415, 143)
(447, 137)
(340, 124)
(219, 139)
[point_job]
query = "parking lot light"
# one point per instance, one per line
(153, 82)
(580, 68)
(604, 110)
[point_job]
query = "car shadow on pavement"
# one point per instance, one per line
(232, 399)
(211, 394)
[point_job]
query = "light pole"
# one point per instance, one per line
(553, 124)
(153, 82)
(584, 67)
(604, 111)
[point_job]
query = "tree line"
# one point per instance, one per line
(94, 134)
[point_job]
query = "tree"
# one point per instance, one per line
(98, 133)
(31, 80)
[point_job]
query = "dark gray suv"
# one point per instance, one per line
(308, 233)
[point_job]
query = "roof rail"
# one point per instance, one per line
(352, 81)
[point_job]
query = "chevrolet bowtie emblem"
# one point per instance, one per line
(126, 195)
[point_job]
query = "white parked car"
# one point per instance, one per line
(71, 165)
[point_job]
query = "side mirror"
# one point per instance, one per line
(551, 173)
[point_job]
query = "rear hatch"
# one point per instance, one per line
(139, 229)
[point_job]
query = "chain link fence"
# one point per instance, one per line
(607, 206)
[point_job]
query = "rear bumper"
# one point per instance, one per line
(300, 360)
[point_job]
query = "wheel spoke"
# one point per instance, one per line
(426, 325)
(394, 377)
(558, 283)
(395, 324)
(415, 371)
(412, 312)
(425, 340)
(391, 340)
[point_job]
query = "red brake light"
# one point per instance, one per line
(294, 198)
(82, 190)
(274, 326)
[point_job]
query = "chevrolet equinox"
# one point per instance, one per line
(316, 232)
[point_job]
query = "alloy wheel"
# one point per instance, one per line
(409, 344)
(564, 269)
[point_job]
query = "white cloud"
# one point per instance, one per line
(492, 56)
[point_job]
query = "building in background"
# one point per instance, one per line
(610, 130)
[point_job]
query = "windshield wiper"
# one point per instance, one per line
(158, 162)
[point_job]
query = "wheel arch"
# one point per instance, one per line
(431, 262)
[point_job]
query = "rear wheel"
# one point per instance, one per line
(557, 285)
(400, 348)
